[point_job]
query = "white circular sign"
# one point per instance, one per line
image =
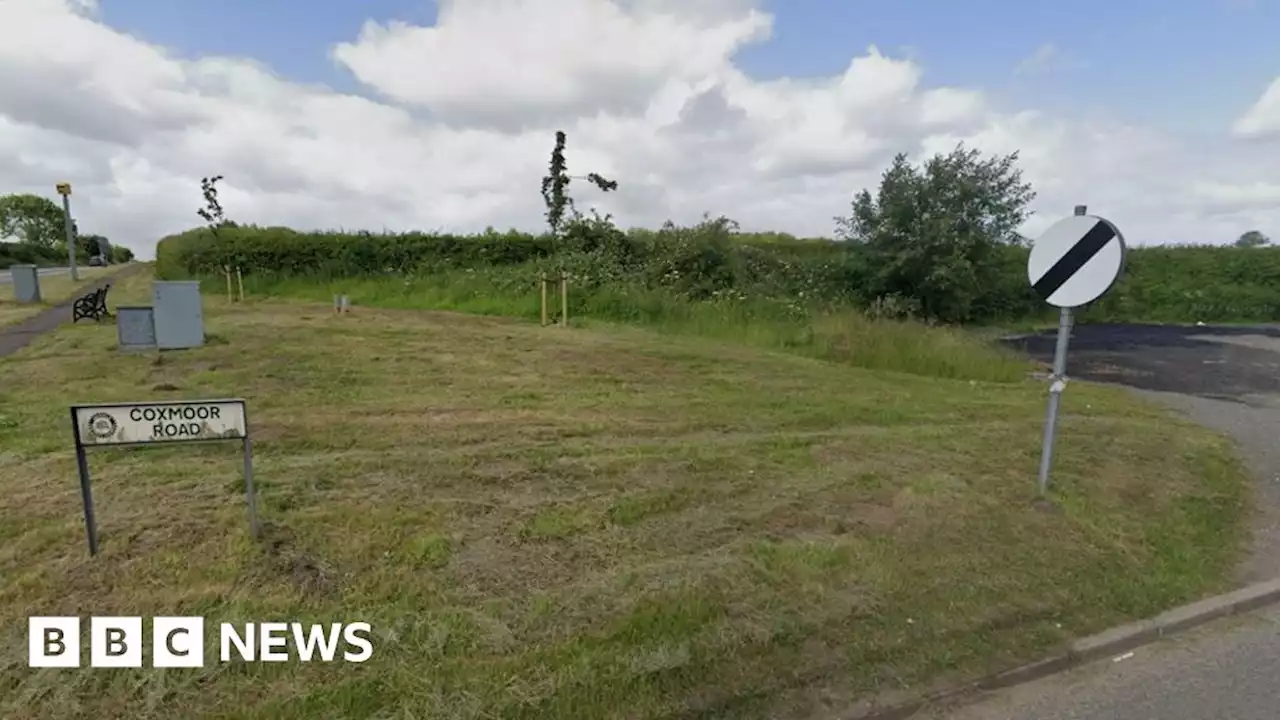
(1076, 260)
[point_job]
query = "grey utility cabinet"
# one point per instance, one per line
(179, 316)
(26, 283)
(136, 327)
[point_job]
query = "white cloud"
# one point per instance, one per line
(520, 62)
(1046, 58)
(1263, 119)
(647, 91)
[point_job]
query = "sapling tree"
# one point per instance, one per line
(213, 214)
(555, 186)
(212, 211)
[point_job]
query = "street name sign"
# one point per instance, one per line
(153, 423)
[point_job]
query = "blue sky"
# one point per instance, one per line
(1134, 59)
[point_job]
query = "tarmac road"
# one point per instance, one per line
(1228, 670)
(6, 277)
(1228, 379)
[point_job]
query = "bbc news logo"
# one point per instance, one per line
(178, 642)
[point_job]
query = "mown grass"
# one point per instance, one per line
(836, 333)
(53, 290)
(584, 523)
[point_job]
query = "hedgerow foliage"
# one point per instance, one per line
(713, 259)
(698, 262)
(938, 242)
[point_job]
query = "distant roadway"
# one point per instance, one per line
(6, 277)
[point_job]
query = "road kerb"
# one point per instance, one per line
(1108, 643)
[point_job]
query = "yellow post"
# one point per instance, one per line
(240, 282)
(564, 298)
(226, 272)
(544, 299)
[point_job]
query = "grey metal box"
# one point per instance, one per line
(135, 327)
(179, 316)
(26, 283)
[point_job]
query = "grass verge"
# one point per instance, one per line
(54, 289)
(584, 523)
(833, 333)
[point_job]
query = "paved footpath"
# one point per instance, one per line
(15, 337)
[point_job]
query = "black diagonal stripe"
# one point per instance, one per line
(1069, 264)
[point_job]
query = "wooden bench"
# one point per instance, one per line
(92, 306)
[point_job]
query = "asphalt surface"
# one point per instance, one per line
(1227, 379)
(1219, 362)
(1224, 671)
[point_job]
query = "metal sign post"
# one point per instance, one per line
(64, 189)
(117, 424)
(1073, 263)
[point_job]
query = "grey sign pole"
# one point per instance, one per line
(1058, 383)
(86, 490)
(71, 236)
(251, 495)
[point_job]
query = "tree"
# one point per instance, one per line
(89, 245)
(32, 219)
(555, 186)
(933, 234)
(212, 211)
(1253, 238)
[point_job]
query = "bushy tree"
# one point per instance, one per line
(1253, 238)
(88, 244)
(934, 234)
(32, 219)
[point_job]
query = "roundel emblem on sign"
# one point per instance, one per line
(1076, 260)
(102, 425)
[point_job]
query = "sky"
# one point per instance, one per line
(439, 115)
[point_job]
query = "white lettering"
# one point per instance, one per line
(272, 636)
(307, 644)
(352, 635)
(230, 637)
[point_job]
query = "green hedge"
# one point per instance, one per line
(283, 251)
(1195, 283)
(695, 262)
(1160, 284)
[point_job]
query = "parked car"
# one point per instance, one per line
(97, 261)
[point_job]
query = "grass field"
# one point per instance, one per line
(53, 290)
(838, 334)
(584, 523)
